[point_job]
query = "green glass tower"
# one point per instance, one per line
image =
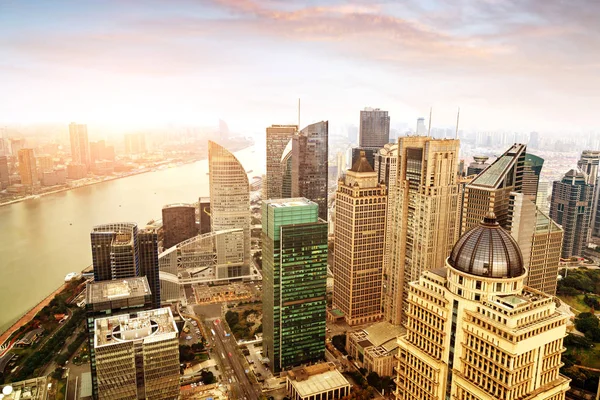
(294, 249)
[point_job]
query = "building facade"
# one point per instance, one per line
(80, 148)
(588, 164)
(361, 204)
(478, 165)
(294, 251)
(137, 356)
(230, 200)
(4, 174)
(27, 169)
(375, 348)
(571, 208)
(532, 170)
(374, 128)
(386, 166)
(179, 223)
(425, 216)
(115, 251)
(148, 259)
(317, 382)
(475, 331)
(278, 136)
(310, 165)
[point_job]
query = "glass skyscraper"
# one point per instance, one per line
(294, 253)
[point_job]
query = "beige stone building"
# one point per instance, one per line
(361, 203)
(278, 136)
(316, 382)
(476, 332)
(375, 348)
(425, 217)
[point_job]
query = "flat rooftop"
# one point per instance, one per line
(31, 389)
(156, 324)
(103, 291)
(294, 202)
(316, 379)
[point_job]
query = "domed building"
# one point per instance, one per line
(474, 330)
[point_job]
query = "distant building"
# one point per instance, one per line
(179, 223)
(421, 128)
(310, 155)
(359, 242)
(80, 148)
(532, 169)
(27, 169)
(370, 154)
(320, 381)
(571, 207)
(542, 197)
(16, 145)
(278, 136)
(374, 130)
(534, 140)
(478, 165)
(4, 174)
(45, 163)
(589, 163)
(135, 143)
(204, 205)
(294, 251)
(375, 348)
(475, 331)
(76, 171)
(137, 356)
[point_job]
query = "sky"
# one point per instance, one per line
(508, 64)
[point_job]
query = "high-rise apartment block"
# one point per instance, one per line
(361, 203)
(179, 223)
(310, 165)
(588, 164)
(374, 130)
(137, 356)
(230, 201)
(294, 249)
(475, 331)
(425, 216)
(278, 136)
(571, 207)
(80, 148)
(27, 169)
(490, 190)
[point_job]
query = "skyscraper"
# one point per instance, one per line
(204, 210)
(571, 207)
(115, 251)
(148, 258)
(80, 148)
(286, 171)
(532, 169)
(135, 143)
(374, 129)
(475, 331)
(361, 203)
(4, 174)
(421, 128)
(490, 190)
(386, 166)
(310, 165)
(27, 169)
(425, 215)
(588, 164)
(179, 223)
(137, 356)
(294, 249)
(230, 200)
(478, 165)
(278, 136)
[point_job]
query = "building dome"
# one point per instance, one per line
(488, 251)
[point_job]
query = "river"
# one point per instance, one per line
(41, 240)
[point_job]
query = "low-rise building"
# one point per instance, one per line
(375, 347)
(316, 382)
(31, 389)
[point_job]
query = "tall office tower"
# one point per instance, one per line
(386, 166)
(540, 241)
(341, 164)
(294, 248)
(16, 145)
(421, 128)
(204, 211)
(461, 168)
(4, 174)
(286, 171)
(4, 149)
(80, 148)
(230, 201)
(475, 331)
(97, 151)
(478, 165)
(135, 143)
(426, 216)
(45, 163)
(115, 251)
(542, 197)
(179, 223)
(361, 203)
(370, 154)
(490, 190)
(148, 259)
(532, 169)
(571, 207)
(374, 130)
(534, 140)
(352, 134)
(27, 169)
(310, 165)
(278, 136)
(588, 164)
(137, 356)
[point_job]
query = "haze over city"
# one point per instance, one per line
(507, 64)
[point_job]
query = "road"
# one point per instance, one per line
(225, 350)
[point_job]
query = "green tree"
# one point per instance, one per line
(374, 380)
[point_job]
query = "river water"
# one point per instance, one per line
(41, 240)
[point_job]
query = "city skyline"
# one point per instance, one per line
(507, 67)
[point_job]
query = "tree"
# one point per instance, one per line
(586, 321)
(61, 359)
(232, 318)
(374, 380)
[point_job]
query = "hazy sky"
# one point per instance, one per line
(513, 64)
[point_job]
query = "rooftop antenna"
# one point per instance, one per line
(429, 130)
(298, 113)
(457, 119)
